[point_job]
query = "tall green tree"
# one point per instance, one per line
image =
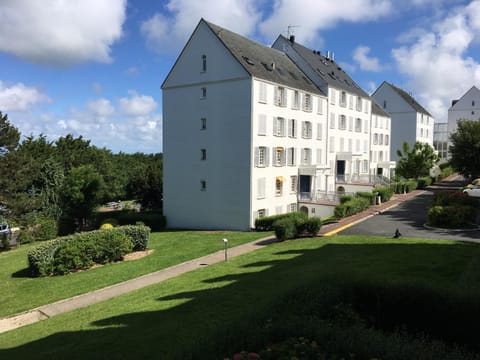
(81, 193)
(465, 148)
(9, 135)
(415, 162)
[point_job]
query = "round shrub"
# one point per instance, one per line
(313, 225)
(106, 226)
(451, 217)
(285, 229)
(110, 221)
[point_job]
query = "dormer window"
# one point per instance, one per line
(204, 63)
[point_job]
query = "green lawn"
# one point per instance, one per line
(19, 292)
(176, 317)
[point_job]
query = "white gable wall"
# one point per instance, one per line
(225, 201)
(467, 107)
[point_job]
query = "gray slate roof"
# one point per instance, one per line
(409, 99)
(378, 110)
(264, 62)
(328, 70)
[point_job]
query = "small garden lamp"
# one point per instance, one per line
(225, 245)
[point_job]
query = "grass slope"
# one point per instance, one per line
(173, 319)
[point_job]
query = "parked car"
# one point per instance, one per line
(473, 184)
(474, 191)
(4, 228)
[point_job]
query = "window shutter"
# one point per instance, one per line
(257, 156)
(267, 156)
(262, 124)
(319, 131)
(275, 126)
(332, 121)
(262, 93)
(276, 96)
(274, 156)
(319, 156)
(284, 157)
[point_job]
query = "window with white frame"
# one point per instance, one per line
(319, 105)
(332, 120)
(306, 156)
(296, 100)
(359, 103)
(380, 156)
(278, 126)
(262, 124)
(343, 99)
(203, 154)
(280, 96)
(365, 166)
(204, 63)
(307, 102)
(278, 186)
(342, 122)
(332, 96)
(387, 140)
(292, 207)
(380, 139)
(261, 188)
(293, 183)
(203, 123)
(358, 125)
(279, 156)
(262, 213)
(262, 92)
(291, 156)
(319, 131)
(261, 156)
(365, 106)
(292, 128)
(350, 101)
(306, 130)
(387, 124)
(203, 93)
(331, 144)
(375, 139)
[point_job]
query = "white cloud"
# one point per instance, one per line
(313, 15)
(137, 105)
(436, 59)
(168, 33)
(101, 107)
(61, 32)
(366, 63)
(19, 97)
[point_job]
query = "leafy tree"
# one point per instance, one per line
(81, 193)
(415, 162)
(9, 135)
(145, 183)
(465, 148)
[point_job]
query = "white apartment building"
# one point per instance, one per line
(380, 142)
(409, 120)
(349, 132)
(244, 130)
(466, 108)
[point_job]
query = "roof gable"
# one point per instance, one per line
(325, 68)
(263, 62)
(472, 93)
(408, 98)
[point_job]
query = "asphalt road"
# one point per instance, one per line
(409, 218)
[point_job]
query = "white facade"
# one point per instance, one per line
(235, 144)
(380, 143)
(467, 108)
(409, 120)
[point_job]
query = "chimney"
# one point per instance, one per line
(328, 54)
(292, 38)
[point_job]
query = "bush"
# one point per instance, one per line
(106, 226)
(352, 207)
(285, 229)
(385, 193)
(370, 196)
(445, 198)
(451, 216)
(312, 226)
(38, 228)
(266, 223)
(345, 198)
(423, 182)
(82, 250)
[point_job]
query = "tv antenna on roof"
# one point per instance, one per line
(290, 30)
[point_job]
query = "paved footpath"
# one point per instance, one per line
(62, 306)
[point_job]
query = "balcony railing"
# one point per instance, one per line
(362, 179)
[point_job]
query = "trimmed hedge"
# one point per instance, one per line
(451, 216)
(352, 207)
(385, 192)
(266, 223)
(370, 196)
(155, 220)
(423, 182)
(295, 225)
(82, 250)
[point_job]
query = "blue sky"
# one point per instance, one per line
(94, 67)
